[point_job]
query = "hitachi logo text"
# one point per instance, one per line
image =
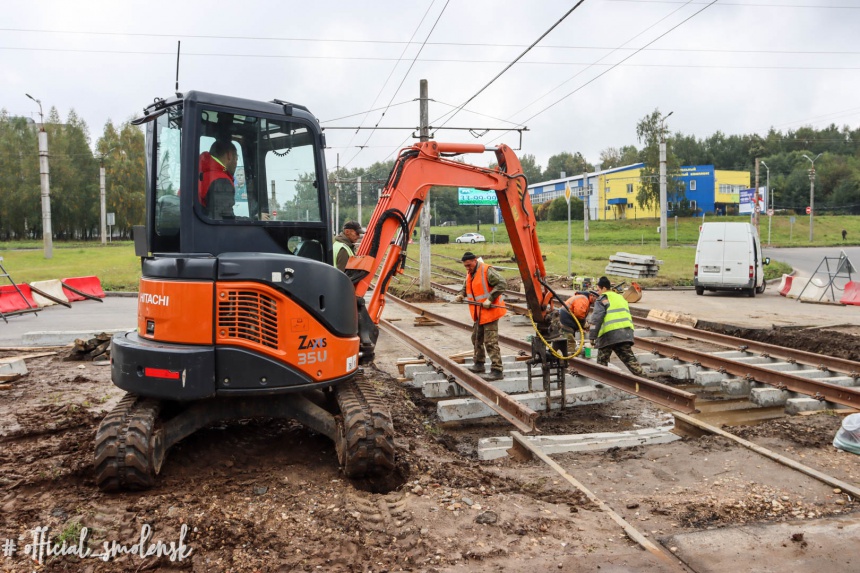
(156, 299)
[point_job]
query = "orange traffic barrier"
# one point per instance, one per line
(851, 294)
(86, 285)
(11, 300)
(786, 285)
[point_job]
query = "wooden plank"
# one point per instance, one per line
(673, 317)
(9, 377)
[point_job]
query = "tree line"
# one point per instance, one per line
(74, 173)
(74, 177)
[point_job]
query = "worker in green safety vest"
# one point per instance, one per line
(344, 243)
(612, 328)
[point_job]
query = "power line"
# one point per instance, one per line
(366, 112)
(744, 4)
(390, 74)
(682, 22)
(406, 75)
(398, 42)
(432, 60)
(515, 60)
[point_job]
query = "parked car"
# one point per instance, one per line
(471, 238)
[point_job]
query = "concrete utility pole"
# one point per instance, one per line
(358, 192)
(769, 202)
(811, 191)
(585, 201)
(336, 226)
(102, 204)
(663, 206)
(44, 177)
(424, 135)
(756, 208)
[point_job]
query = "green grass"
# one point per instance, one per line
(118, 268)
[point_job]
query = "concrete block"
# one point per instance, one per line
(752, 360)
(812, 373)
(509, 385)
(11, 366)
(735, 386)
(648, 333)
(646, 358)
(781, 366)
(840, 380)
(421, 378)
(767, 397)
(806, 404)
(708, 377)
(507, 359)
(732, 354)
(472, 408)
(61, 338)
(411, 369)
(493, 448)
(663, 365)
(684, 371)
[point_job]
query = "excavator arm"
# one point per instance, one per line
(418, 168)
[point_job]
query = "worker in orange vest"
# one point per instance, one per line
(483, 289)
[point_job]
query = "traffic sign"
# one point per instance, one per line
(770, 212)
(567, 192)
(274, 213)
(808, 210)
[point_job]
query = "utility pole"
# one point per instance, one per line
(756, 208)
(358, 192)
(47, 234)
(336, 226)
(585, 201)
(811, 191)
(567, 196)
(424, 251)
(663, 207)
(769, 202)
(663, 200)
(102, 204)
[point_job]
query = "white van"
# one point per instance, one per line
(728, 257)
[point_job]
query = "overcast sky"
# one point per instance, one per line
(738, 66)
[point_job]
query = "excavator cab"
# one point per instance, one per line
(274, 201)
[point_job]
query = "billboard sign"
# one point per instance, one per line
(746, 201)
(470, 196)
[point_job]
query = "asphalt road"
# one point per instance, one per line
(805, 260)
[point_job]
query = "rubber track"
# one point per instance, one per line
(123, 447)
(367, 432)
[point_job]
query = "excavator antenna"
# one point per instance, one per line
(178, 45)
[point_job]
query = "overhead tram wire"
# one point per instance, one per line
(385, 84)
(577, 74)
(510, 65)
(600, 75)
(406, 75)
(367, 111)
(464, 104)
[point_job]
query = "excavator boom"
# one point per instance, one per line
(417, 169)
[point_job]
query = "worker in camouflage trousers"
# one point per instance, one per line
(483, 290)
(612, 328)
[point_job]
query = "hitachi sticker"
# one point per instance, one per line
(154, 299)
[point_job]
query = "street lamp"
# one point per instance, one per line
(811, 191)
(47, 235)
(663, 242)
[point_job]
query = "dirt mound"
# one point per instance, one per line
(831, 343)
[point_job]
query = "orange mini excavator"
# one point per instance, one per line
(241, 313)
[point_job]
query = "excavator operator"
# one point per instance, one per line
(216, 190)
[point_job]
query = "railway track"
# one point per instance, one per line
(689, 424)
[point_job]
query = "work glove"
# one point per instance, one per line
(486, 304)
(458, 298)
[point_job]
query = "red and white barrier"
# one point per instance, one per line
(785, 285)
(53, 288)
(90, 285)
(851, 294)
(11, 300)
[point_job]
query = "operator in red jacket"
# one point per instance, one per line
(216, 190)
